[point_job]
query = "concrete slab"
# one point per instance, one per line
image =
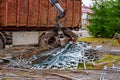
(25, 38)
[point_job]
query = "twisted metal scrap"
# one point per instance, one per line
(68, 57)
(63, 58)
(110, 73)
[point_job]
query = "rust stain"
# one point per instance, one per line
(6, 14)
(28, 17)
(38, 14)
(18, 12)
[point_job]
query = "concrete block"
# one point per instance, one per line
(25, 38)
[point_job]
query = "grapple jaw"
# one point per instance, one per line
(58, 37)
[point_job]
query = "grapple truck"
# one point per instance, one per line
(34, 22)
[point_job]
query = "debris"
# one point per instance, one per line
(64, 76)
(69, 57)
(98, 47)
(110, 73)
(104, 63)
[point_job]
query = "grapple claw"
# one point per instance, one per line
(59, 37)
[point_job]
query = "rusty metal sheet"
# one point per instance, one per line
(44, 12)
(11, 12)
(2, 11)
(37, 13)
(69, 13)
(52, 15)
(23, 12)
(76, 16)
(33, 12)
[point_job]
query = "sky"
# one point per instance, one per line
(87, 2)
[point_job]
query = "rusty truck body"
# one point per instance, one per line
(19, 16)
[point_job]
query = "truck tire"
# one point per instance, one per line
(1, 44)
(51, 42)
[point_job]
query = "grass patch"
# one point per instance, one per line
(5, 79)
(106, 60)
(98, 40)
(88, 66)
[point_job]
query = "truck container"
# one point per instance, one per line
(35, 16)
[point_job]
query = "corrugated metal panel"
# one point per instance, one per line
(37, 13)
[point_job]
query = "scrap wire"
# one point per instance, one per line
(110, 73)
(68, 57)
(63, 58)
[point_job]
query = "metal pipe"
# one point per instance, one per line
(59, 8)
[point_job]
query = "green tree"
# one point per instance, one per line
(105, 19)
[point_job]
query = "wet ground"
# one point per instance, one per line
(16, 73)
(28, 74)
(67, 57)
(108, 48)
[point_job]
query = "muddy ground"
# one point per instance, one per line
(8, 73)
(30, 74)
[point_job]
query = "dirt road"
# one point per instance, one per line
(30, 74)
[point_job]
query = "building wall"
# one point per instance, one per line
(85, 11)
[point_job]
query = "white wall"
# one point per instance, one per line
(25, 38)
(87, 2)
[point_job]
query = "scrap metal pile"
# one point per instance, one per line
(68, 57)
(39, 65)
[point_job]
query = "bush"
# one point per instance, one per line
(105, 21)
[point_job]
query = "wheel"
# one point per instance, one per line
(49, 42)
(1, 44)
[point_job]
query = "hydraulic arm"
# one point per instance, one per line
(56, 4)
(61, 35)
(61, 15)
